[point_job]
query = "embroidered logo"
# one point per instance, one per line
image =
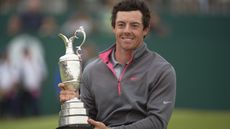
(167, 102)
(133, 78)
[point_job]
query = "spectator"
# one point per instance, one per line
(26, 55)
(8, 81)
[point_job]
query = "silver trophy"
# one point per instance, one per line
(73, 115)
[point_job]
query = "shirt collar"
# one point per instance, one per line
(136, 53)
(113, 60)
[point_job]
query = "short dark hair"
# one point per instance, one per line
(132, 5)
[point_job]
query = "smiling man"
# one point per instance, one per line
(128, 86)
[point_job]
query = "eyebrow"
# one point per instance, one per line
(134, 22)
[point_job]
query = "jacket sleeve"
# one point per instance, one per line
(87, 97)
(160, 104)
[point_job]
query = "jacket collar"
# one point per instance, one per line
(105, 55)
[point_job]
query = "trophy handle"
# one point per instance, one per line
(80, 30)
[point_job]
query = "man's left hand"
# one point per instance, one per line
(97, 124)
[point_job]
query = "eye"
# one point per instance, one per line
(120, 25)
(135, 25)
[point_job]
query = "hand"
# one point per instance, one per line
(97, 124)
(66, 94)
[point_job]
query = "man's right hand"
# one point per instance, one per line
(66, 94)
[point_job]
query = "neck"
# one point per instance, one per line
(123, 56)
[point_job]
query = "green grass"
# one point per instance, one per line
(44, 122)
(200, 119)
(181, 119)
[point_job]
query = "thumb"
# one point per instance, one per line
(97, 124)
(92, 122)
(61, 86)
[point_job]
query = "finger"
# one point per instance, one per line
(62, 86)
(62, 97)
(70, 93)
(67, 95)
(92, 122)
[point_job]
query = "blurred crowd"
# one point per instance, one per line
(210, 7)
(22, 65)
(23, 70)
(46, 18)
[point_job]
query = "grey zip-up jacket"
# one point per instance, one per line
(142, 98)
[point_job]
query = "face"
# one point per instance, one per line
(129, 30)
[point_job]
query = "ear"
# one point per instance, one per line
(113, 29)
(146, 31)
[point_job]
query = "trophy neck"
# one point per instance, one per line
(69, 48)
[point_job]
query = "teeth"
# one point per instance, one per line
(127, 38)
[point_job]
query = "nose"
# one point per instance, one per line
(127, 29)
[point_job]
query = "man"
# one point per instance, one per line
(128, 86)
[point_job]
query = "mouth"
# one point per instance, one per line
(127, 38)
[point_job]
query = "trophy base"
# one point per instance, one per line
(73, 115)
(76, 126)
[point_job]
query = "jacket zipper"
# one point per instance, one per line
(119, 80)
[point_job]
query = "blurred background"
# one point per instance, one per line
(193, 35)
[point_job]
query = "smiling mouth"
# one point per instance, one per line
(127, 38)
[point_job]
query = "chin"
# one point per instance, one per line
(129, 47)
